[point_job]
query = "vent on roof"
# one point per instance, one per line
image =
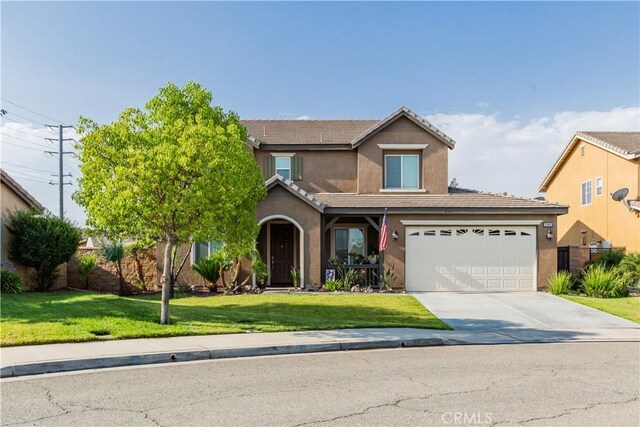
(264, 130)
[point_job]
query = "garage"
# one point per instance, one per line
(468, 258)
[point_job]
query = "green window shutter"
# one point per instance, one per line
(296, 168)
(269, 167)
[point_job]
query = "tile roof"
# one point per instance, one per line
(623, 144)
(456, 199)
(20, 191)
(306, 131)
(347, 132)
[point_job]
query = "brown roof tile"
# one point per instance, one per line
(306, 131)
(626, 143)
(456, 199)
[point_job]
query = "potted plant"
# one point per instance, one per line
(373, 258)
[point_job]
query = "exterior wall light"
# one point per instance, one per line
(395, 235)
(549, 235)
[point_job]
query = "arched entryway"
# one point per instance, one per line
(281, 245)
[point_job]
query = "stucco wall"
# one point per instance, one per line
(547, 249)
(434, 161)
(281, 202)
(604, 219)
(323, 171)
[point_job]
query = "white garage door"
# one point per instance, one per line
(473, 258)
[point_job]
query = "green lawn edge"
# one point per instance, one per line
(77, 316)
(627, 307)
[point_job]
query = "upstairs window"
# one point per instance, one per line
(283, 166)
(585, 193)
(288, 165)
(599, 186)
(401, 171)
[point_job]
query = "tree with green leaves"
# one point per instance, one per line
(41, 241)
(177, 172)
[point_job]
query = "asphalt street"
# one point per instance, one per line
(529, 384)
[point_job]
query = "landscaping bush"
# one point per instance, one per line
(10, 282)
(41, 241)
(629, 269)
(261, 271)
(334, 285)
(114, 252)
(387, 278)
(349, 279)
(209, 268)
(560, 283)
(600, 282)
(609, 258)
(87, 264)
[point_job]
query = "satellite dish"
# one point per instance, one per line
(620, 194)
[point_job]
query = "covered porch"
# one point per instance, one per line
(351, 242)
(281, 245)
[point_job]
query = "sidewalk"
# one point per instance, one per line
(49, 358)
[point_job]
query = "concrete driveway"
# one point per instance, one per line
(525, 314)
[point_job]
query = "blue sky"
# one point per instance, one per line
(468, 67)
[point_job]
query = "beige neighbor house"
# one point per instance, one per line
(330, 181)
(592, 167)
(13, 197)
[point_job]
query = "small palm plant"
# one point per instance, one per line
(295, 277)
(260, 270)
(87, 264)
(114, 252)
(560, 283)
(387, 279)
(209, 269)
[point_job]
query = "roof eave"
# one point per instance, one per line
(550, 210)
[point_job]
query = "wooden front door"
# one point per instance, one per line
(281, 254)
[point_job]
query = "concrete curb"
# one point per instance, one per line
(49, 367)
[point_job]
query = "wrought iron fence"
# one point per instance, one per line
(367, 275)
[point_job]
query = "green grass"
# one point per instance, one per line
(39, 318)
(628, 307)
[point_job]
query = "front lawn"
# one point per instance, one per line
(36, 318)
(628, 307)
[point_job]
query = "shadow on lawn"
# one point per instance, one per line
(295, 314)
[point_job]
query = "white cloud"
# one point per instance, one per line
(23, 156)
(304, 117)
(496, 155)
(482, 104)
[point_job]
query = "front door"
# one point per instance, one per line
(281, 254)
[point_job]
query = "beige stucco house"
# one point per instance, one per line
(330, 183)
(592, 167)
(13, 197)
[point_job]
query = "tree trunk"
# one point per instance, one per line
(166, 281)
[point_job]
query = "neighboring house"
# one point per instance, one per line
(330, 181)
(13, 197)
(592, 167)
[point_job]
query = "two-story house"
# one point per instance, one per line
(330, 182)
(592, 167)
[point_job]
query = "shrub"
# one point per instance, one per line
(87, 264)
(387, 278)
(209, 268)
(41, 241)
(609, 258)
(10, 282)
(629, 269)
(599, 282)
(334, 285)
(560, 283)
(260, 269)
(295, 276)
(114, 252)
(349, 279)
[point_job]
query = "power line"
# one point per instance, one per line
(31, 111)
(27, 167)
(22, 146)
(22, 139)
(22, 175)
(21, 131)
(26, 118)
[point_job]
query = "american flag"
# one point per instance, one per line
(383, 233)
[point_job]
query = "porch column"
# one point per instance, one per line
(323, 255)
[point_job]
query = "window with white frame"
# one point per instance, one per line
(599, 186)
(283, 166)
(401, 171)
(204, 249)
(348, 241)
(585, 193)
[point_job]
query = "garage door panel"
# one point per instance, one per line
(470, 258)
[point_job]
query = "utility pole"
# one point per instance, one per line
(61, 139)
